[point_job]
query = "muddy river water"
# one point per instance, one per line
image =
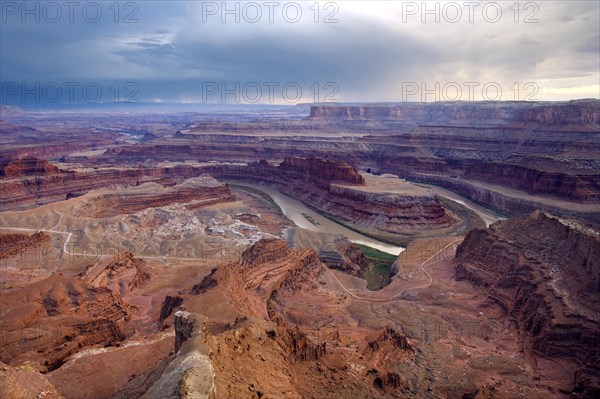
(306, 218)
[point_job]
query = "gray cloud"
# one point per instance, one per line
(368, 54)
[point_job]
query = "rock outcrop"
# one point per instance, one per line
(29, 166)
(14, 243)
(337, 190)
(345, 256)
(169, 304)
(264, 251)
(48, 321)
(189, 374)
(543, 273)
(124, 270)
(385, 349)
(196, 192)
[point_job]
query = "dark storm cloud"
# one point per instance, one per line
(369, 53)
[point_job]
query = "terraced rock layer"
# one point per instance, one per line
(543, 273)
(331, 194)
(196, 192)
(545, 149)
(34, 186)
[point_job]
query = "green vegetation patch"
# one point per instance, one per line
(376, 254)
(378, 272)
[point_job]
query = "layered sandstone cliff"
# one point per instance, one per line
(41, 183)
(543, 273)
(578, 112)
(195, 192)
(337, 189)
(27, 167)
(540, 148)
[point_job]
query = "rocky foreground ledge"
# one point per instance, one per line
(189, 374)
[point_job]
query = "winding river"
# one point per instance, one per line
(488, 216)
(296, 211)
(306, 218)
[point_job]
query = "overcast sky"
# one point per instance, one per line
(191, 51)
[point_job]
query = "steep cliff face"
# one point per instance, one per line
(321, 171)
(582, 112)
(40, 187)
(579, 112)
(581, 187)
(300, 347)
(513, 205)
(189, 374)
(387, 348)
(345, 256)
(543, 273)
(391, 213)
(26, 167)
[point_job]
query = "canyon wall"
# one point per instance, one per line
(337, 190)
(329, 186)
(540, 148)
(41, 185)
(578, 112)
(508, 204)
(543, 273)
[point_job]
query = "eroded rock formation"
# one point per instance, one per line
(14, 243)
(545, 149)
(123, 271)
(189, 374)
(29, 166)
(338, 191)
(196, 192)
(48, 321)
(41, 185)
(543, 273)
